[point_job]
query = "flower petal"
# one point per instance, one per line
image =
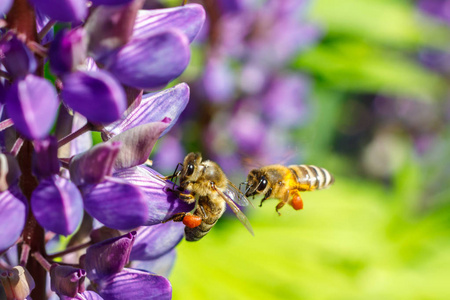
(57, 205)
(87, 295)
(45, 162)
(108, 257)
(63, 10)
(41, 21)
(168, 104)
(13, 214)
(68, 50)
(92, 166)
(110, 2)
(188, 18)
(110, 27)
(5, 5)
(117, 204)
(162, 204)
(18, 283)
(137, 144)
(32, 104)
(135, 284)
(155, 241)
(162, 265)
(67, 280)
(151, 62)
(17, 59)
(95, 94)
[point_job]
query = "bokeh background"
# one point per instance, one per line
(359, 87)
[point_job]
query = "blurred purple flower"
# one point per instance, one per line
(5, 5)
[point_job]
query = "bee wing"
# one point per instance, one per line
(236, 195)
(239, 214)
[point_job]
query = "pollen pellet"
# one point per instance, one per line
(297, 202)
(192, 221)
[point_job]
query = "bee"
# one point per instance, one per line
(206, 182)
(286, 183)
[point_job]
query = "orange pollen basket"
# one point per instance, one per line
(192, 221)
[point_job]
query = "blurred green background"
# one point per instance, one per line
(382, 231)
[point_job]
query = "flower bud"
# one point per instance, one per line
(17, 58)
(68, 50)
(66, 280)
(108, 257)
(17, 283)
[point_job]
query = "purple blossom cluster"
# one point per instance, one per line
(101, 71)
(247, 99)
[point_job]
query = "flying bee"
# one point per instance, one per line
(286, 183)
(206, 181)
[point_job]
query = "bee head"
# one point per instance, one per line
(256, 182)
(190, 171)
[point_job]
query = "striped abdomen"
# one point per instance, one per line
(210, 212)
(311, 178)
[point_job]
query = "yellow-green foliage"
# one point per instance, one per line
(353, 241)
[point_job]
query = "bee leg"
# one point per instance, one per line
(176, 217)
(280, 205)
(266, 196)
(188, 198)
(282, 202)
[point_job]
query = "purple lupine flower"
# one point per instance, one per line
(105, 262)
(5, 6)
(92, 61)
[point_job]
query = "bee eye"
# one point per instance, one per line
(190, 170)
(262, 184)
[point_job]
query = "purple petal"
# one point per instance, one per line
(45, 162)
(108, 257)
(32, 104)
(9, 171)
(168, 104)
(117, 204)
(93, 165)
(67, 280)
(57, 205)
(162, 204)
(68, 50)
(63, 10)
(88, 295)
(163, 265)
(67, 123)
(188, 18)
(135, 284)
(94, 94)
(41, 22)
(110, 27)
(17, 59)
(84, 141)
(155, 241)
(137, 144)
(110, 2)
(151, 62)
(5, 6)
(13, 214)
